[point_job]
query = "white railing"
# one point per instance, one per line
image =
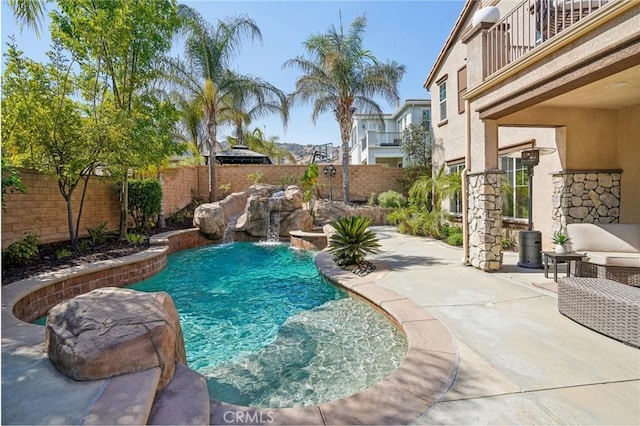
(530, 24)
(384, 139)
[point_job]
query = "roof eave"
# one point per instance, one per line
(457, 28)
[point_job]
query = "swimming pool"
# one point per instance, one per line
(266, 330)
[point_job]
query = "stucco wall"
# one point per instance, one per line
(591, 134)
(629, 149)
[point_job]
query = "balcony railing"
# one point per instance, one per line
(383, 139)
(530, 24)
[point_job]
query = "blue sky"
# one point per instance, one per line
(409, 32)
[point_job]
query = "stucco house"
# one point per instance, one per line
(376, 141)
(522, 75)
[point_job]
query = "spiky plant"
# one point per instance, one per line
(352, 240)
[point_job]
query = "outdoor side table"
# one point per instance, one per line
(561, 258)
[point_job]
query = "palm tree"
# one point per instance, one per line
(245, 107)
(341, 76)
(28, 13)
(437, 187)
(256, 141)
(205, 75)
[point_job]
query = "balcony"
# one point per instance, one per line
(529, 25)
(382, 139)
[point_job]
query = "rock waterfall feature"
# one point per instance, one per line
(255, 209)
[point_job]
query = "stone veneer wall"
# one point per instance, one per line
(585, 196)
(485, 219)
(112, 273)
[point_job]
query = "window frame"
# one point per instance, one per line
(462, 89)
(455, 202)
(442, 102)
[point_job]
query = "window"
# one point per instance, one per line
(442, 99)
(455, 202)
(515, 188)
(462, 88)
(426, 118)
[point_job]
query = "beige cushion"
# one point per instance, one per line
(613, 259)
(613, 237)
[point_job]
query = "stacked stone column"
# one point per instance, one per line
(591, 196)
(485, 219)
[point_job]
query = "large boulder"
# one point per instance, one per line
(113, 331)
(297, 219)
(210, 218)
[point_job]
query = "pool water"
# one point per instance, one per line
(267, 330)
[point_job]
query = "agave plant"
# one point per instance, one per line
(352, 240)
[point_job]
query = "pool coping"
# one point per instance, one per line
(424, 376)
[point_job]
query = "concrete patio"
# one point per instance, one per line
(521, 362)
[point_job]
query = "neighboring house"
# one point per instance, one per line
(376, 141)
(562, 74)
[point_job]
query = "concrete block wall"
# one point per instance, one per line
(43, 211)
(180, 186)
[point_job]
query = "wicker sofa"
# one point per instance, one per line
(612, 250)
(606, 296)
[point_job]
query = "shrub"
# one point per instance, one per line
(352, 240)
(255, 178)
(225, 188)
(83, 245)
(454, 236)
(134, 238)
(392, 199)
(22, 251)
(288, 180)
(145, 201)
(63, 252)
(371, 201)
(100, 234)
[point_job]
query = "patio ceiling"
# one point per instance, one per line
(616, 91)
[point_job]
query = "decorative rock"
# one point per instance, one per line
(610, 200)
(605, 180)
(578, 177)
(297, 219)
(577, 189)
(578, 212)
(113, 331)
(210, 218)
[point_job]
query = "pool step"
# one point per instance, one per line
(125, 399)
(185, 400)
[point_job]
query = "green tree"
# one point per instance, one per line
(415, 145)
(341, 76)
(117, 43)
(205, 74)
(45, 127)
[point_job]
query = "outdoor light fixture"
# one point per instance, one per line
(530, 241)
(330, 172)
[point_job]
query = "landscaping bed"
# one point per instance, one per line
(48, 260)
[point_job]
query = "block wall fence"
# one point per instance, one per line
(43, 211)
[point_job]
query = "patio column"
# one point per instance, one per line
(585, 196)
(484, 211)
